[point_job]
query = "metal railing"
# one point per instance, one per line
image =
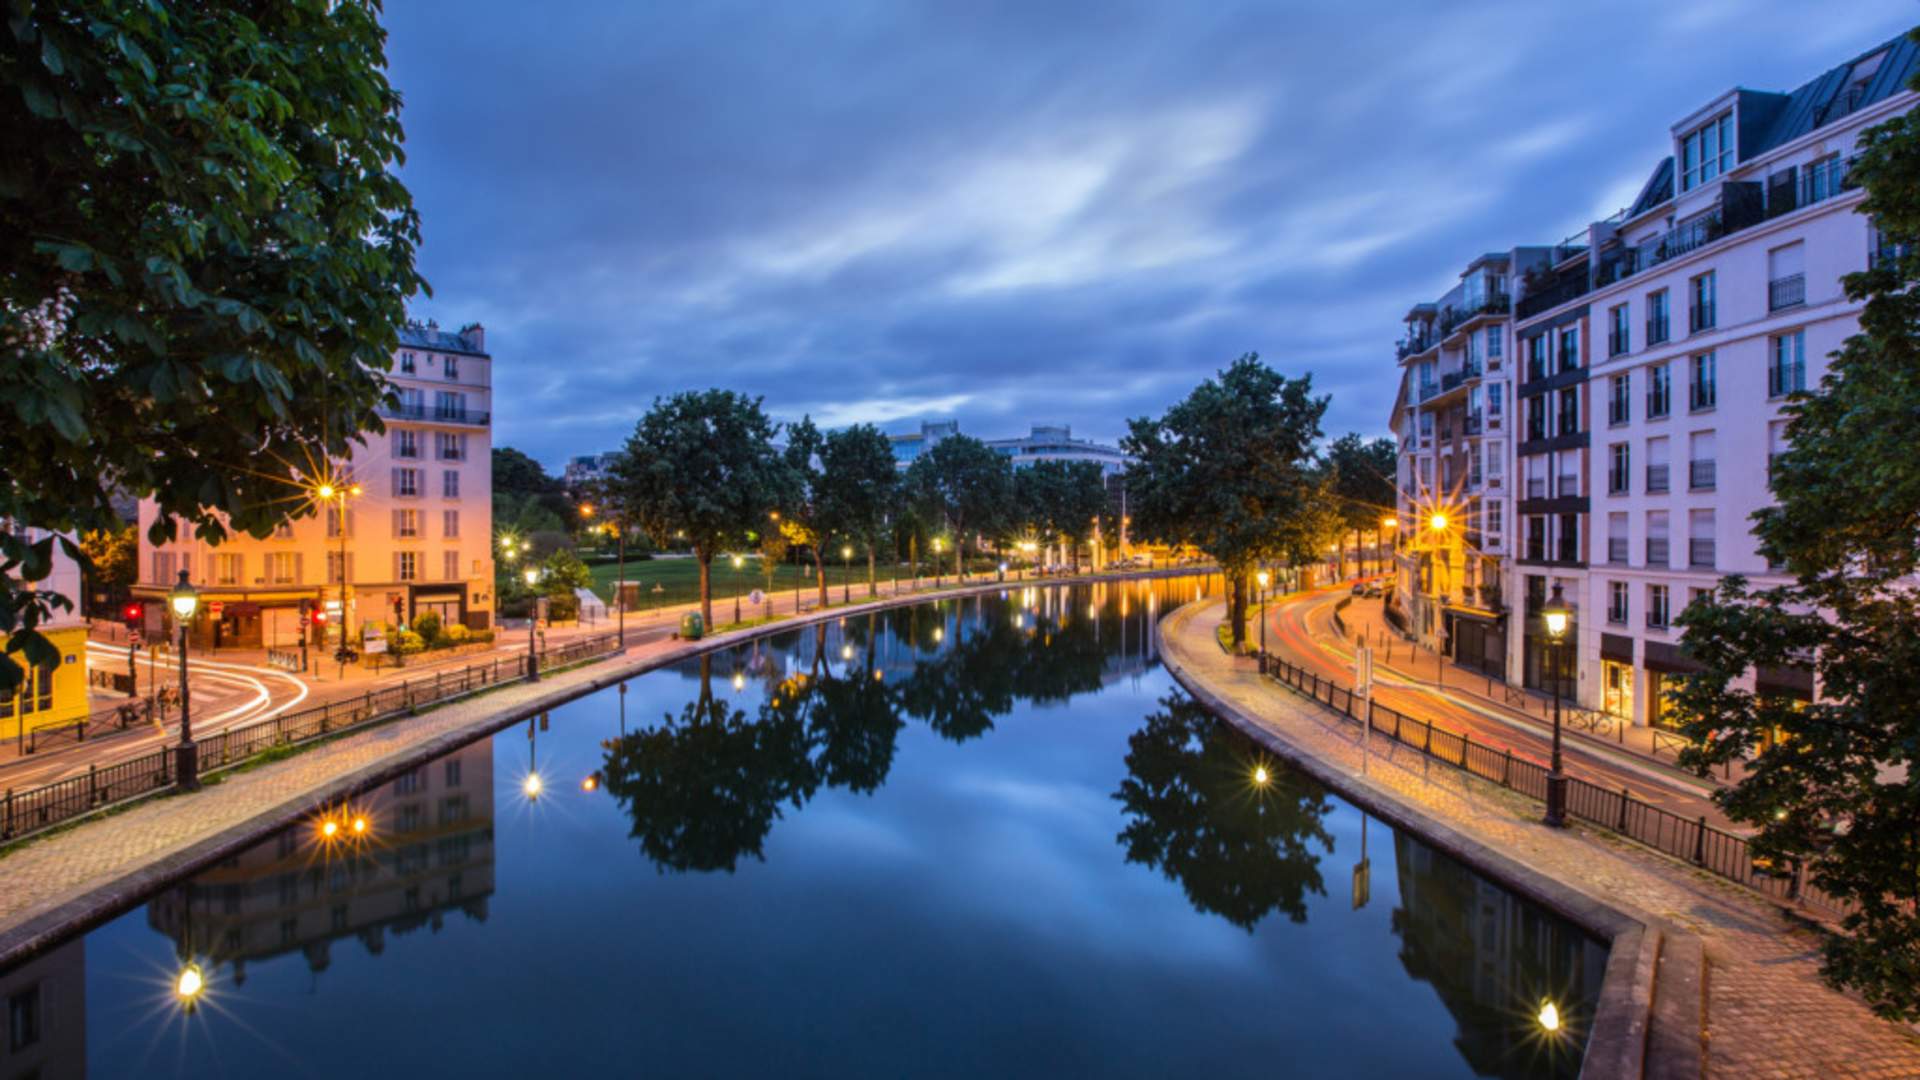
(1700, 317)
(1657, 330)
(1656, 551)
(1700, 474)
(1700, 554)
(435, 414)
(1617, 550)
(23, 813)
(1656, 478)
(1786, 292)
(1692, 839)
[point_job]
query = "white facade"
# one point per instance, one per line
(418, 534)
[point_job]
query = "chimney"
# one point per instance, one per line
(476, 336)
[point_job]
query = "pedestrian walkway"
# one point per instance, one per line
(1767, 1012)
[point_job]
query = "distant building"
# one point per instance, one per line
(908, 447)
(418, 536)
(587, 469)
(1043, 442)
(52, 696)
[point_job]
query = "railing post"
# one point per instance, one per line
(1426, 747)
(93, 785)
(1626, 799)
(1506, 770)
(1700, 842)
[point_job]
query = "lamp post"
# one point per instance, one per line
(620, 584)
(327, 492)
(1263, 578)
(846, 572)
(532, 577)
(938, 544)
(738, 562)
(185, 600)
(1388, 523)
(1556, 615)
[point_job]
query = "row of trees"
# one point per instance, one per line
(704, 470)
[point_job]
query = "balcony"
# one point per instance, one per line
(1472, 425)
(1700, 554)
(1657, 330)
(1656, 479)
(433, 414)
(1617, 550)
(1568, 286)
(1428, 389)
(1700, 317)
(1569, 549)
(1656, 551)
(1656, 620)
(1414, 345)
(1700, 475)
(1786, 292)
(1497, 304)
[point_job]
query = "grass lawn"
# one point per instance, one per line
(679, 579)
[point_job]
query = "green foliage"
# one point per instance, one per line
(701, 465)
(964, 484)
(1363, 479)
(563, 572)
(1831, 782)
(562, 607)
(112, 560)
(205, 254)
(427, 625)
(455, 634)
(406, 643)
(859, 486)
(1232, 470)
(1060, 499)
(803, 509)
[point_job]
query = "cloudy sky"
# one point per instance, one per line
(1010, 211)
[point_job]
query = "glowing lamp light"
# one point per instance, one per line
(325, 491)
(532, 576)
(1263, 578)
(360, 826)
(329, 829)
(589, 783)
(189, 985)
(846, 553)
(1388, 521)
(533, 785)
(1549, 1017)
(878, 675)
(183, 598)
(1438, 523)
(738, 562)
(1556, 614)
(939, 634)
(1260, 775)
(846, 652)
(739, 681)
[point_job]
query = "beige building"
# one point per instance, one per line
(415, 538)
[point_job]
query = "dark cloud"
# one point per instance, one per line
(1017, 211)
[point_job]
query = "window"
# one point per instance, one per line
(1619, 469)
(449, 446)
(283, 531)
(283, 568)
(1700, 303)
(450, 483)
(406, 566)
(406, 483)
(1473, 353)
(1494, 395)
(450, 524)
(334, 562)
(1619, 410)
(1537, 357)
(1569, 538)
(23, 1019)
(1700, 461)
(1656, 538)
(406, 523)
(35, 694)
(450, 565)
(1570, 411)
(1659, 391)
(229, 569)
(1494, 515)
(1617, 603)
(1657, 607)
(407, 363)
(1617, 339)
(1706, 151)
(1426, 425)
(1702, 390)
(452, 369)
(1537, 417)
(1570, 348)
(1537, 537)
(1494, 337)
(164, 568)
(449, 406)
(1617, 538)
(413, 402)
(1821, 179)
(333, 523)
(1656, 465)
(1657, 317)
(1700, 539)
(1787, 374)
(406, 443)
(452, 772)
(1786, 277)
(1883, 250)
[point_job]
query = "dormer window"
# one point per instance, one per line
(1706, 151)
(406, 363)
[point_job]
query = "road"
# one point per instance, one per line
(1300, 629)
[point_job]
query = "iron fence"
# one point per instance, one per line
(1692, 839)
(23, 813)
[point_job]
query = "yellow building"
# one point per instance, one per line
(52, 696)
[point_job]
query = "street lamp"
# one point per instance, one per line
(738, 562)
(846, 572)
(938, 546)
(1263, 578)
(184, 599)
(532, 576)
(1556, 615)
(1388, 523)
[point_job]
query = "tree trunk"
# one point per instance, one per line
(705, 559)
(959, 556)
(820, 574)
(873, 580)
(1237, 604)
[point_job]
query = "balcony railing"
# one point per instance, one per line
(1428, 389)
(1656, 551)
(1472, 424)
(1700, 554)
(1536, 487)
(1784, 379)
(434, 414)
(1616, 481)
(1568, 287)
(1656, 620)
(1786, 292)
(1657, 330)
(1617, 550)
(1569, 549)
(1656, 479)
(1616, 342)
(1409, 346)
(1700, 475)
(1700, 317)
(1497, 304)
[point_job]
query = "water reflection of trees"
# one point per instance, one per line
(1240, 849)
(704, 787)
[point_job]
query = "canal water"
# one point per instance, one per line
(978, 837)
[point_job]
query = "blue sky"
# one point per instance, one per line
(1017, 212)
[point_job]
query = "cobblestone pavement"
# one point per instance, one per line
(1767, 1015)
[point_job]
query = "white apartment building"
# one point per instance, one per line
(417, 537)
(1654, 354)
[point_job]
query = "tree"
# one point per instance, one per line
(524, 495)
(1830, 784)
(701, 464)
(965, 484)
(1081, 502)
(802, 520)
(859, 488)
(111, 558)
(1363, 481)
(563, 572)
(1232, 470)
(205, 256)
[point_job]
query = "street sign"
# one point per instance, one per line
(756, 597)
(216, 607)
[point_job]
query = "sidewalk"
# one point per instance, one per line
(1416, 663)
(1767, 1013)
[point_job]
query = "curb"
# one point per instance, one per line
(1649, 964)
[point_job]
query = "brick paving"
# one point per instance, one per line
(1767, 1014)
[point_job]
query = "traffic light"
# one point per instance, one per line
(320, 617)
(133, 614)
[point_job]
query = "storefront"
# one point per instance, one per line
(1479, 641)
(239, 618)
(1666, 665)
(1616, 676)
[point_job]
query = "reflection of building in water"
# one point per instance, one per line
(431, 853)
(47, 1015)
(1492, 957)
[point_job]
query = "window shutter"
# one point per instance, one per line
(396, 524)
